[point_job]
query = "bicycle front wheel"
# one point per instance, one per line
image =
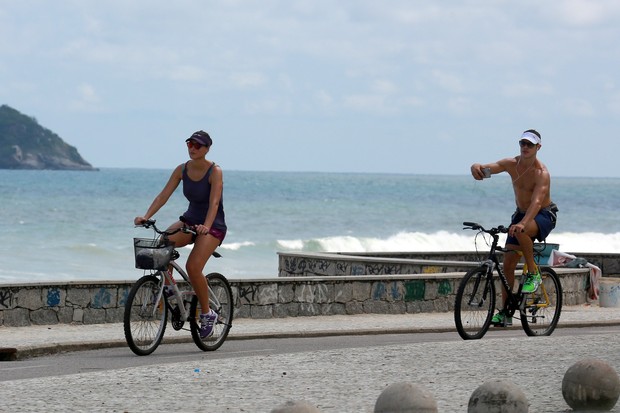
(220, 301)
(145, 315)
(474, 304)
(541, 310)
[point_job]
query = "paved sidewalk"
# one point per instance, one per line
(342, 380)
(36, 340)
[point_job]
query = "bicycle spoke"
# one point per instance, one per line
(474, 304)
(220, 301)
(145, 315)
(541, 309)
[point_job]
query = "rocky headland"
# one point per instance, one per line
(24, 144)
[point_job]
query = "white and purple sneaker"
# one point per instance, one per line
(207, 321)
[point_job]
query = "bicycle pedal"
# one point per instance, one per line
(176, 321)
(502, 324)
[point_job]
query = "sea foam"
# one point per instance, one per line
(447, 241)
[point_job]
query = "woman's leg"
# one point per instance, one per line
(180, 239)
(203, 248)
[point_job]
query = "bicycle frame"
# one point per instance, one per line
(514, 298)
(181, 295)
(178, 294)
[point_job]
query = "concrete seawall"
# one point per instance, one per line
(295, 264)
(103, 302)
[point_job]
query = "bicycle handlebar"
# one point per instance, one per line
(493, 231)
(538, 248)
(150, 223)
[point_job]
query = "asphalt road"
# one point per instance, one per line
(121, 358)
(337, 374)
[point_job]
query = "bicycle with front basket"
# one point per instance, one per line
(539, 312)
(148, 306)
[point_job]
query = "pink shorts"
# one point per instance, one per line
(217, 233)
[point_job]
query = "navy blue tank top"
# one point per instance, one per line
(198, 193)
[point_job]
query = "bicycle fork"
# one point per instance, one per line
(487, 278)
(180, 310)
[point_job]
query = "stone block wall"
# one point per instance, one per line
(26, 304)
(91, 303)
(302, 264)
(395, 294)
(311, 297)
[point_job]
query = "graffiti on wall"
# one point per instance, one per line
(381, 269)
(248, 293)
(299, 265)
(102, 298)
(414, 290)
(6, 298)
(389, 290)
(53, 297)
(445, 287)
(319, 266)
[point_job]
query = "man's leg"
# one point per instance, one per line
(511, 259)
(525, 238)
(527, 245)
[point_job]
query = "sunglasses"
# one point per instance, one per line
(194, 144)
(527, 143)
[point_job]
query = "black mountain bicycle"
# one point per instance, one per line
(539, 312)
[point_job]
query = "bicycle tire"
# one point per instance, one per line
(474, 304)
(145, 319)
(221, 301)
(541, 310)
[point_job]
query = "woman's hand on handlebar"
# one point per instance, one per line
(201, 229)
(138, 221)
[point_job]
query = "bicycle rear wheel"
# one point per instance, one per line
(474, 304)
(541, 310)
(145, 315)
(220, 301)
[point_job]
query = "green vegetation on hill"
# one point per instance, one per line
(24, 144)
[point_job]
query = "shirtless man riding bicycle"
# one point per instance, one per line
(535, 216)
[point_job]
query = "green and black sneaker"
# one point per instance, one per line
(532, 282)
(500, 319)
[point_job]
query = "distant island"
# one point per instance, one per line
(24, 144)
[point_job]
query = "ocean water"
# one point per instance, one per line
(78, 226)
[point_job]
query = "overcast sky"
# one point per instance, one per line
(395, 86)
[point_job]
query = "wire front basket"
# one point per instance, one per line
(152, 254)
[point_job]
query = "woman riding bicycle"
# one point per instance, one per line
(202, 186)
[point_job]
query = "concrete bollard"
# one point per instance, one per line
(591, 384)
(500, 396)
(296, 407)
(405, 397)
(609, 292)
